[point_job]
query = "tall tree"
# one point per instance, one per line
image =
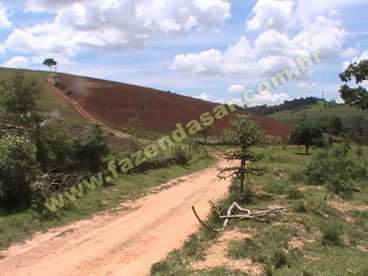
(244, 133)
(355, 96)
(49, 62)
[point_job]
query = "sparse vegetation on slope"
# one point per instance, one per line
(314, 238)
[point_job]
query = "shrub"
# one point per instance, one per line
(294, 193)
(359, 151)
(331, 234)
(17, 169)
(335, 168)
(279, 259)
(54, 145)
(19, 96)
(89, 152)
(181, 155)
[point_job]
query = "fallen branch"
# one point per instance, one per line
(202, 222)
(248, 213)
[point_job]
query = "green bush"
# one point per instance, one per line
(295, 193)
(54, 145)
(331, 234)
(89, 152)
(335, 168)
(17, 169)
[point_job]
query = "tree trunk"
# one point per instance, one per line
(242, 173)
(307, 150)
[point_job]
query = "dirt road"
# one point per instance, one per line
(126, 243)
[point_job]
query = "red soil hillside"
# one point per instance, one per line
(115, 103)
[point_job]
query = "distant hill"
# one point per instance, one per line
(293, 111)
(115, 104)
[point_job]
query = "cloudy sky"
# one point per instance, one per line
(213, 49)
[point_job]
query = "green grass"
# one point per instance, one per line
(48, 101)
(330, 240)
(318, 111)
(18, 225)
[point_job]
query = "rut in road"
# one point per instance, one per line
(123, 243)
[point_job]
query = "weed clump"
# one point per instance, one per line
(331, 234)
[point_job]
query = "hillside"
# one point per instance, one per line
(317, 112)
(114, 104)
(48, 102)
(316, 109)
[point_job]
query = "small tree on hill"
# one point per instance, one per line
(49, 62)
(355, 96)
(244, 133)
(19, 96)
(306, 134)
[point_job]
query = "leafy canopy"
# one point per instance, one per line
(306, 134)
(19, 96)
(244, 132)
(49, 62)
(355, 96)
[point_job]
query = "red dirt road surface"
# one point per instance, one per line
(114, 103)
(126, 243)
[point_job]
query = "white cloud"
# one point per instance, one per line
(307, 10)
(237, 58)
(363, 56)
(350, 52)
(204, 96)
(266, 98)
(47, 5)
(17, 62)
(309, 86)
(236, 88)
(4, 17)
(276, 14)
(114, 25)
(323, 34)
(271, 51)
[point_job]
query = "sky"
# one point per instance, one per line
(210, 49)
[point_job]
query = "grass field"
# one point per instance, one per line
(315, 236)
(317, 112)
(20, 224)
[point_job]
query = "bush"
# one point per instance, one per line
(294, 193)
(181, 155)
(89, 153)
(331, 234)
(54, 145)
(17, 169)
(335, 168)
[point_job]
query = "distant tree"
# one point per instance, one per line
(355, 96)
(19, 96)
(244, 133)
(49, 62)
(306, 134)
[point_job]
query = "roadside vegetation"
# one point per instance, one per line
(42, 155)
(325, 231)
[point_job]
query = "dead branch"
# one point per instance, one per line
(248, 214)
(10, 127)
(202, 222)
